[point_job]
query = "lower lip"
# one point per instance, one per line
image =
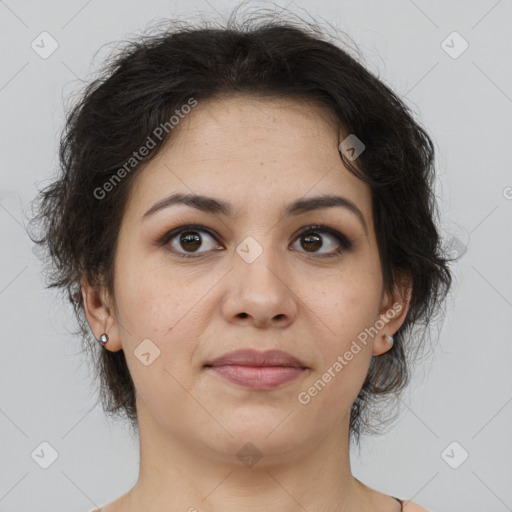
(258, 377)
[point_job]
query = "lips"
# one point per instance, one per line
(255, 370)
(255, 358)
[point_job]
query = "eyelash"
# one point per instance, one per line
(345, 243)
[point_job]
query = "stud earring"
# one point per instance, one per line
(390, 339)
(103, 338)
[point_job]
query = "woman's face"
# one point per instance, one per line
(251, 281)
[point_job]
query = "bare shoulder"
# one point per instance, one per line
(409, 506)
(104, 508)
(111, 507)
(118, 505)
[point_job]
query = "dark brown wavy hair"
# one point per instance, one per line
(151, 76)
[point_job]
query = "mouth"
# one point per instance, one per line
(257, 370)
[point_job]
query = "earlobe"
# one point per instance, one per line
(100, 318)
(393, 312)
(382, 344)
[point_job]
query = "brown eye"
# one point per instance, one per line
(311, 242)
(187, 240)
(190, 240)
(314, 238)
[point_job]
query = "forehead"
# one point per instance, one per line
(254, 152)
(242, 124)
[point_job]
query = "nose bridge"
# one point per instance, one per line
(259, 289)
(258, 257)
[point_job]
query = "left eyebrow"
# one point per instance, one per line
(216, 206)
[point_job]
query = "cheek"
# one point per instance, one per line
(345, 349)
(348, 305)
(151, 300)
(348, 302)
(151, 316)
(162, 325)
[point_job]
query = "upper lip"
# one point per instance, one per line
(251, 357)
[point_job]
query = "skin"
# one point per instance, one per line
(259, 154)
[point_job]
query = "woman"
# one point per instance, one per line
(244, 222)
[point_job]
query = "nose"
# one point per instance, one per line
(260, 293)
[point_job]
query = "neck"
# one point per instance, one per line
(178, 475)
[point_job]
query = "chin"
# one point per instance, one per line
(267, 435)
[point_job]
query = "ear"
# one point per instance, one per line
(394, 308)
(99, 313)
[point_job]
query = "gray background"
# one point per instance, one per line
(463, 393)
